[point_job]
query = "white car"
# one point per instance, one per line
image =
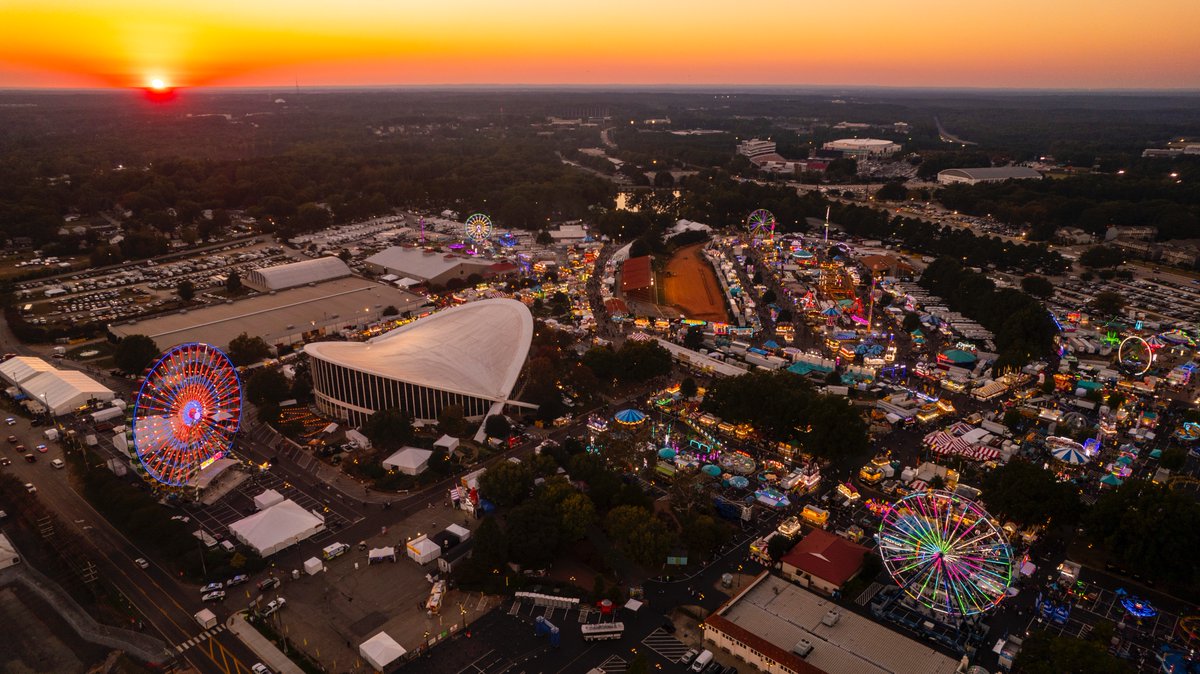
(141, 563)
(237, 580)
(30, 488)
(213, 587)
(260, 668)
(219, 595)
(10, 421)
(274, 605)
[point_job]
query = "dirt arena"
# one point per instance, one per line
(691, 286)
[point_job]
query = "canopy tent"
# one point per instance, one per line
(739, 482)
(380, 651)
(267, 499)
(959, 357)
(667, 453)
(448, 443)
(1111, 480)
(710, 469)
(409, 460)
(277, 527)
(629, 417)
(1070, 455)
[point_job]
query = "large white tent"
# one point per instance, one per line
(20, 368)
(65, 390)
(409, 460)
(277, 527)
(380, 651)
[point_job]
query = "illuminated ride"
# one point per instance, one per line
(478, 228)
(761, 223)
(1135, 355)
(186, 413)
(945, 552)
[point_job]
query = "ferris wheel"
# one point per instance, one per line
(1135, 355)
(761, 223)
(187, 412)
(478, 228)
(945, 552)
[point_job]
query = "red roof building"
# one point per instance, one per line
(637, 278)
(823, 561)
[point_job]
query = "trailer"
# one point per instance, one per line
(106, 414)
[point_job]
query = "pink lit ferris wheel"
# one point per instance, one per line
(187, 412)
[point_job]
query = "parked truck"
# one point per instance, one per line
(207, 619)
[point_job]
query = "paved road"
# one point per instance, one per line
(166, 604)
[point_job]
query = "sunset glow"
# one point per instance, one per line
(1024, 43)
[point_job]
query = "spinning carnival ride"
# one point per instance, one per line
(761, 223)
(187, 413)
(478, 228)
(945, 552)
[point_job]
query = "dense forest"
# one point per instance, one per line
(1159, 193)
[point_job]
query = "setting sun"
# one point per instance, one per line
(158, 85)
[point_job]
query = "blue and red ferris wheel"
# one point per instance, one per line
(187, 413)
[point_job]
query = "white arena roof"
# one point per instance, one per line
(297, 273)
(474, 349)
(858, 143)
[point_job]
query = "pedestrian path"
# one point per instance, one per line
(196, 640)
(868, 594)
(614, 665)
(666, 645)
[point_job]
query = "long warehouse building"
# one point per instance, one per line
(469, 355)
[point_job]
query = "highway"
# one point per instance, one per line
(166, 604)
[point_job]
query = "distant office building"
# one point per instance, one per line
(757, 149)
(295, 274)
(1072, 236)
(1131, 233)
(990, 174)
(863, 148)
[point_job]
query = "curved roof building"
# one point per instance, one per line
(297, 273)
(863, 147)
(469, 355)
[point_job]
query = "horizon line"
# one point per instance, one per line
(615, 86)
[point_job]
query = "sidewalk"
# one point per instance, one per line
(262, 647)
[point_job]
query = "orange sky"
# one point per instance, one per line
(1002, 43)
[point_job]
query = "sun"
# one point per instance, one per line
(158, 84)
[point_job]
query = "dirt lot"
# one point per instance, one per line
(691, 286)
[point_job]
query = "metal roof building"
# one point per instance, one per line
(772, 621)
(469, 355)
(989, 174)
(425, 265)
(286, 317)
(297, 274)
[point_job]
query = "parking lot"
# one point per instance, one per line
(140, 287)
(239, 503)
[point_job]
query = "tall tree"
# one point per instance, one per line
(135, 353)
(186, 290)
(247, 350)
(389, 429)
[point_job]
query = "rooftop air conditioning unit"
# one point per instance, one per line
(830, 618)
(802, 648)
